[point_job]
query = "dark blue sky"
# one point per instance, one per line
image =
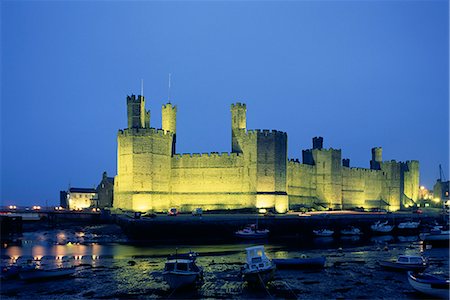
(359, 73)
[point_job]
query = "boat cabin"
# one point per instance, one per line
(256, 258)
(409, 259)
(181, 265)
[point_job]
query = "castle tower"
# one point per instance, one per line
(238, 125)
(377, 158)
(138, 117)
(169, 121)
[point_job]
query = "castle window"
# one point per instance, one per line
(265, 172)
(324, 165)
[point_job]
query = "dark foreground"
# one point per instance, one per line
(122, 271)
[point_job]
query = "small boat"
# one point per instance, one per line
(323, 232)
(300, 263)
(380, 227)
(408, 225)
(406, 263)
(10, 272)
(351, 231)
(34, 273)
(429, 285)
(436, 237)
(258, 269)
(180, 271)
(252, 232)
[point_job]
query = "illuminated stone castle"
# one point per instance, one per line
(257, 172)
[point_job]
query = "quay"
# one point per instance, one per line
(222, 226)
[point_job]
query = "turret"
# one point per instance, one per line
(317, 142)
(169, 118)
(238, 124)
(169, 121)
(377, 158)
(138, 117)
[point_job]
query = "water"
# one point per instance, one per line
(109, 267)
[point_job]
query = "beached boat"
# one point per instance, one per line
(406, 263)
(381, 227)
(408, 225)
(10, 272)
(180, 271)
(351, 231)
(430, 285)
(252, 232)
(258, 269)
(300, 263)
(436, 237)
(323, 232)
(34, 273)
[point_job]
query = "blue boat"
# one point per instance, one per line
(300, 263)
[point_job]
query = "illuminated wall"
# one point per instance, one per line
(256, 174)
(81, 199)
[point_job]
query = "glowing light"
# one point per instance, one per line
(262, 210)
(422, 187)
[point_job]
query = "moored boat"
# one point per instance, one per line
(300, 263)
(34, 274)
(381, 227)
(429, 285)
(180, 271)
(408, 225)
(258, 269)
(323, 232)
(406, 263)
(252, 232)
(351, 231)
(436, 237)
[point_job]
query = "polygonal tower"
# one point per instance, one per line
(138, 117)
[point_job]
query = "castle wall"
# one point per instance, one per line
(256, 174)
(301, 184)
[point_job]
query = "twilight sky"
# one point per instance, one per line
(359, 73)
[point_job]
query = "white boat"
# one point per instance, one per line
(406, 263)
(430, 285)
(258, 269)
(252, 232)
(436, 237)
(323, 232)
(181, 272)
(33, 273)
(408, 225)
(381, 227)
(351, 231)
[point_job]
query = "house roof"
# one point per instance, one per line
(82, 190)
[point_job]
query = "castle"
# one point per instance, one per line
(256, 174)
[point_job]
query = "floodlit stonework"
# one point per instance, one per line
(256, 174)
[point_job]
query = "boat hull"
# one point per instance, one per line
(36, 274)
(180, 280)
(402, 267)
(429, 285)
(300, 263)
(260, 277)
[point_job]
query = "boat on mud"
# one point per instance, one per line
(429, 285)
(258, 268)
(180, 271)
(436, 237)
(300, 263)
(406, 263)
(37, 274)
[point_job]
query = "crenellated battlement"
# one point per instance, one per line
(238, 105)
(169, 106)
(134, 98)
(143, 132)
(266, 132)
